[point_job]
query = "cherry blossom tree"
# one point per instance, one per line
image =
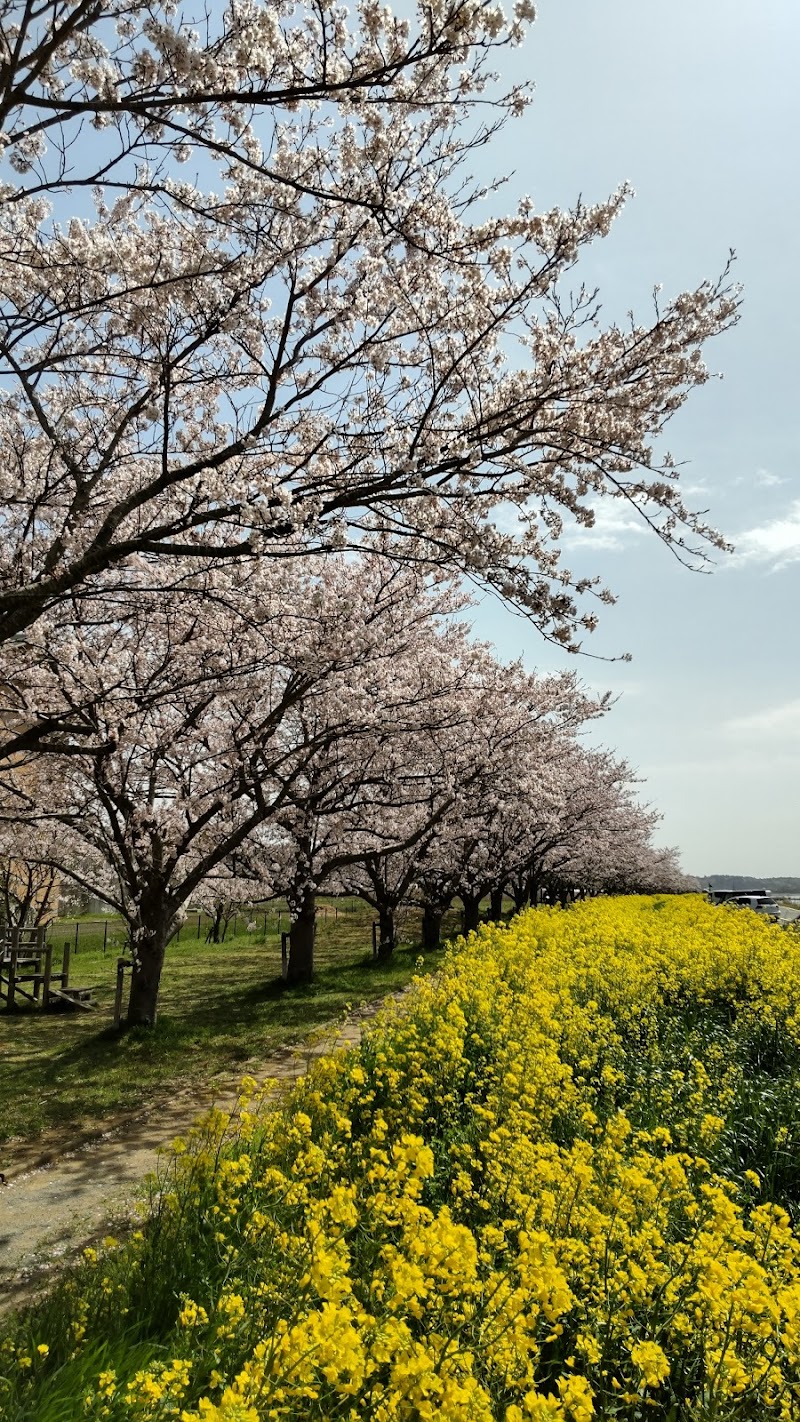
(528, 726)
(600, 828)
(637, 866)
(29, 878)
(381, 780)
(548, 816)
(223, 895)
(160, 87)
(457, 763)
(205, 713)
(311, 339)
(304, 727)
(333, 346)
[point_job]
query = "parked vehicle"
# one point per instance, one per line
(759, 903)
(726, 896)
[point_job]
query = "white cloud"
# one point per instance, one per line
(621, 688)
(764, 478)
(614, 524)
(780, 722)
(776, 542)
(768, 480)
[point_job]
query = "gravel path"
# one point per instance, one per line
(50, 1212)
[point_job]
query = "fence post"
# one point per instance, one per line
(12, 967)
(65, 964)
(198, 925)
(48, 972)
(122, 964)
(77, 931)
(105, 937)
(39, 971)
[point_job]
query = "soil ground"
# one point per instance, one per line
(61, 1196)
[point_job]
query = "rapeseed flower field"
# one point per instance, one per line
(558, 1182)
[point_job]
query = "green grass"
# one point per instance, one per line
(223, 1009)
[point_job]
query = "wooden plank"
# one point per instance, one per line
(48, 973)
(12, 968)
(23, 992)
(73, 1001)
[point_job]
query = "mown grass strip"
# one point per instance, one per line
(223, 1010)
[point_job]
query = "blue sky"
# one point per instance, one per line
(696, 103)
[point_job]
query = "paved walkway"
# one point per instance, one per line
(50, 1212)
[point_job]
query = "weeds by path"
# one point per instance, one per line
(223, 1007)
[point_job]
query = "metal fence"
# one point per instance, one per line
(109, 934)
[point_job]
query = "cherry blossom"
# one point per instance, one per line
(318, 337)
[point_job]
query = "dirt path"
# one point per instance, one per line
(50, 1212)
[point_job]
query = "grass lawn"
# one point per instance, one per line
(222, 1009)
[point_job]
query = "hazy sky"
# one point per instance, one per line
(696, 102)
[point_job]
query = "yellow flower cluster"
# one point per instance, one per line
(535, 1192)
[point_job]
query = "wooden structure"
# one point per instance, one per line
(123, 966)
(26, 972)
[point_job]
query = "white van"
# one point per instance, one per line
(759, 903)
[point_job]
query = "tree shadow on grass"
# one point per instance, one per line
(210, 1023)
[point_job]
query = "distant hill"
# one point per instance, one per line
(785, 885)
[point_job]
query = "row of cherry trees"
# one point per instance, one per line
(276, 376)
(331, 727)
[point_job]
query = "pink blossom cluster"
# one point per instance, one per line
(269, 305)
(286, 728)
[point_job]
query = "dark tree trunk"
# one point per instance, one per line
(213, 935)
(472, 911)
(519, 892)
(550, 894)
(564, 896)
(432, 916)
(302, 933)
(387, 933)
(496, 904)
(148, 961)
